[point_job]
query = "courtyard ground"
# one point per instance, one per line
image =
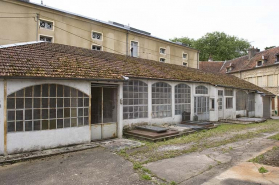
(217, 156)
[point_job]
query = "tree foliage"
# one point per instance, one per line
(217, 44)
(266, 48)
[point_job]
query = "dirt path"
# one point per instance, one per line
(202, 167)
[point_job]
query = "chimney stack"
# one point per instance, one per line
(252, 51)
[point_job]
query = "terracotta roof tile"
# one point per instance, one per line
(243, 63)
(48, 60)
(212, 67)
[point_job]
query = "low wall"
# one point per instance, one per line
(37, 140)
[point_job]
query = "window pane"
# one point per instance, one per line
(52, 124)
(59, 91)
(37, 91)
(28, 91)
(19, 126)
(37, 125)
(11, 103)
(28, 114)
(60, 123)
(44, 124)
(11, 115)
(45, 90)
(52, 90)
(11, 126)
(73, 122)
(28, 102)
(19, 103)
(28, 125)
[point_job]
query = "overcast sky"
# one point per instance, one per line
(253, 20)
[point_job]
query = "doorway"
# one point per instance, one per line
(103, 111)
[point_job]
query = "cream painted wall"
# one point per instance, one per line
(1, 116)
(114, 39)
(264, 72)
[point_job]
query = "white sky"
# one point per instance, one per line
(253, 20)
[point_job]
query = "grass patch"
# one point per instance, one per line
(262, 170)
(173, 183)
(145, 177)
(257, 159)
(137, 166)
(222, 135)
(146, 170)
(275, 137)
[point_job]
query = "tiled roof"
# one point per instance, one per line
(243, 63)
(48, 60)
(212, 67)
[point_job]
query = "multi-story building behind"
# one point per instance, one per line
(24, 21)
(258, 67)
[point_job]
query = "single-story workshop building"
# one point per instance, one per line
(53, 95)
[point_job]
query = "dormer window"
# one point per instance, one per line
(229, 69)
(259, 63)
(277, 58)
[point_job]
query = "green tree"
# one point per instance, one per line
(217, 44)
(266, 48)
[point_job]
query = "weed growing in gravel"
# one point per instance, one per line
(145, 177)
(262, 170)
(173, 183)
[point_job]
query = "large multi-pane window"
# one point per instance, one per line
(201, 90)
(47, 106)
(161, 100)
(182, 99)
(135, 100)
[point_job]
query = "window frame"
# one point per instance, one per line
(50, 21)
(205, 89)
(163, 49)
(212, 104)
(161, 96)
(52, 38)
(142, 96)
(97, 46)
(184, 53)
(133, 49)
(102, 35)
(162, 58)
(45, 107)
(227, 105)
(258, 63)
(185, 63)
(178, 96)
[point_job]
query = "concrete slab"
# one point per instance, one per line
(181, 168)
(119, 144)
(95, 166)
(247, 173)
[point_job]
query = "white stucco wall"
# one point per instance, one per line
(36, 140)
(230, 113)
(258, 106)
(1, 117)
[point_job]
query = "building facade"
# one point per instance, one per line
(26, 21)
(258, 67)
(75, 96)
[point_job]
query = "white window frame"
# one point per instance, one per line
(52, 38)
(185, 63)
(46, 20)
(184, 53)
(164, 49)
(138, 48)
(258, 62)
(93, 31)
(162, 58)
(227, 98)
(212, 104)
(97, 45)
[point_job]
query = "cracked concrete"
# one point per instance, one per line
(206, 166)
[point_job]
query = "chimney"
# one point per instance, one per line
(252, 51)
